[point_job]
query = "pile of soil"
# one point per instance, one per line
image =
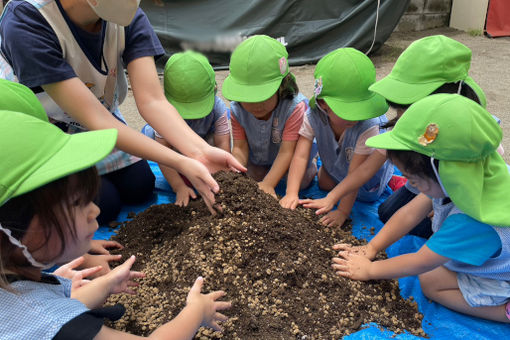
(274, 264)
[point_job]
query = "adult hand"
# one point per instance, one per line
(352, 266)
(323, 205)
(103, 246)
(289, 201)
(335, 218)
(268, 189)
(208, 304)
(121, 278)
(216, 159)
(365, 250)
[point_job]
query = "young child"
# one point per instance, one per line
(344, 114)
(47, 217)
(445, 144)
(72, 53)
(190, 86)
(19, 98)
(267, 111)
(434, 64)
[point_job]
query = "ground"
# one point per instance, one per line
(490, 68)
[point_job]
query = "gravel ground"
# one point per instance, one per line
(490, 68)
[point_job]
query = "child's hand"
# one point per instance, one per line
(99, 260)
(365, 250)
(216, 159)
(334, 218)
(120, 278)
(68, 270)
(183, 195)
(268, 189)
(323, 205)
(208, 304)
(102, 246)
(289, 201)
(352, 266)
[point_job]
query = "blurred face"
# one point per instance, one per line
(425, 185)
(86, 225)
(262, 110)
(337, 123)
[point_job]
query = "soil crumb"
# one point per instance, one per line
(273, 263)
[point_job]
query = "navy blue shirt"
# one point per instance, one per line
(32, 48)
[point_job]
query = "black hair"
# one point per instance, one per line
(52, 204)
(414, 163)
(288, 87)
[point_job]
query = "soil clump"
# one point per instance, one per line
(274, 264)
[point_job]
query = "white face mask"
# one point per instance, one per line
(120, 12)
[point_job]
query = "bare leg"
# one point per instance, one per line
(325, 181)
(310, 173)
(440, 285)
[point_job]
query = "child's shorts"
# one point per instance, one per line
(479, 291)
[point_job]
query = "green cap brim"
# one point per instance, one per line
(480, 189)
(81, 151)
(249, 93)
(194, 110)
(372, 107)
(478, 90)
(386, 141)
(399, 92)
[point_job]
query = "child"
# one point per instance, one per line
(19, 98)
(434, 64)
(47, 216)
(190, 86)
(445, 144)
(72, 54)
(267, 111)
(343, 116)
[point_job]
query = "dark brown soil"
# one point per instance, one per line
(273, 263)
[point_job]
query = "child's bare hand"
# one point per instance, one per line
(102, 246)
(209, 305)
(352, 266)
(99, 260)
(365, 250)
(267, 189)
(68, 270)
(121, 278)
(183, 196)
(334, 218)
(323, 205)
(289, 202)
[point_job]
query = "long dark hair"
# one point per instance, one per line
(288, 88)
(52, 204)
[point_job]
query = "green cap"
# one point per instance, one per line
(464, 137)
(19, 98)
(423, 67)
(190, 84)
(35, 152)
(342, 78)
(257, 68)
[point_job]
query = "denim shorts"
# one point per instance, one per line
(479, 291)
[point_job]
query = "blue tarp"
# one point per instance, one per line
(438, 322)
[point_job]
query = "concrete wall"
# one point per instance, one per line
(425, 14)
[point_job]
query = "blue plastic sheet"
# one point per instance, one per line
(438, 322)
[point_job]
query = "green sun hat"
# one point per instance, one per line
(342, 78)
(35, 152)
(423, 67)
(19, 98)
(257, 68)
(464, 137)
(190, 84)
